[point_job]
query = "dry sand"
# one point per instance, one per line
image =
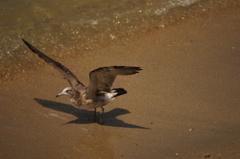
(184, 104)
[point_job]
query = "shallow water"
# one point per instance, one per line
(64, 28)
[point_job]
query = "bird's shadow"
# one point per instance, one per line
(84, 116)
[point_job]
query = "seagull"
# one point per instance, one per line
(98, 93)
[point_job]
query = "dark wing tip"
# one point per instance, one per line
(23, 40)
(128, 67)
(127, 70)
(26, 43)
(134, 69)
(30, 46)
(138, 69)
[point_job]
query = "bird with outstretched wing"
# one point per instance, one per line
(99, 91)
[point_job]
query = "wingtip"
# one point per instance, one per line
(32, 48)
(137, 69)
(26, 43)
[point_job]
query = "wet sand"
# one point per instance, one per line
(184, 104)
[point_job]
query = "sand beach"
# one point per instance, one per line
(184, 104)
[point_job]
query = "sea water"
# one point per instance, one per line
(64, 28)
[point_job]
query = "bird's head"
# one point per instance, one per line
(68, 91)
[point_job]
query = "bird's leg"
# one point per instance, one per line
(101, 117)
(94, 115)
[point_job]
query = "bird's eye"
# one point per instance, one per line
(68, 91)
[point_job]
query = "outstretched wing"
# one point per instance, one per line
(102, 78)
(69, 76)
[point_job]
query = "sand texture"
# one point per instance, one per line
(184, 104)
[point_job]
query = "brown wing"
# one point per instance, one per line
(102, 78)
(69, 76)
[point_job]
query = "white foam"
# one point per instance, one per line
(173, 4)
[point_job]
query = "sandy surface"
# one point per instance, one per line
(184, 104)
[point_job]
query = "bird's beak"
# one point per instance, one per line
(58, 95)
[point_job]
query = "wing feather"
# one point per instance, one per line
(68, 75)
(101, 79)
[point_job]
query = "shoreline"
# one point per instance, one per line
(184, 104)
(21, 59)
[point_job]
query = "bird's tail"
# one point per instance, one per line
(119, 91)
